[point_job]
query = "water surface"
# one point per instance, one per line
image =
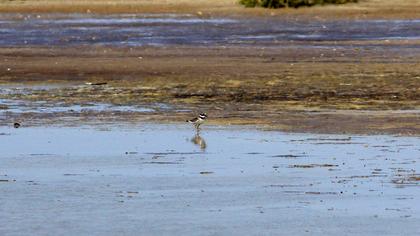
(149, 179)
(184, 29)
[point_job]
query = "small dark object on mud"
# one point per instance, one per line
(95, 84)
(130, 153)
(16, 125)
(7, 180)
(288, 156)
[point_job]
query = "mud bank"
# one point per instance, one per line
(291, 74)
(369, 9)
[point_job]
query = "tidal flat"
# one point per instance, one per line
(293, 74)
(313, 125)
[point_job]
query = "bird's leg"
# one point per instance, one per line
(197, 127)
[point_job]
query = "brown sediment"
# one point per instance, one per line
(414, 178)
(290, 77)
(286, 88)
(402, 9)
(406, 180)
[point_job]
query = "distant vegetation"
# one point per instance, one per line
(290, 3)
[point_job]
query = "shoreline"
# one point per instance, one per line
(298, 101)
(288, 122)
(284, 84)
(367, 9)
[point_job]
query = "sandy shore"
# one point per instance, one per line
(377, 9)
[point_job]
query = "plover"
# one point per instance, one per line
(197, 121)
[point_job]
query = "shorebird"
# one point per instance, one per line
(197, 121)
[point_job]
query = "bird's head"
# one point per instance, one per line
(203, 116)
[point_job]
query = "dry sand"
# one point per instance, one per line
(389, 9)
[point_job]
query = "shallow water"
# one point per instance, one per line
(151, 178)
(12, 104)
(20, 106)
(173, 29)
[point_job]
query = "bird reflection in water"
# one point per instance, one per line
(199, 141)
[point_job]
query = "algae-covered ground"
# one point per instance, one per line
(312, 89)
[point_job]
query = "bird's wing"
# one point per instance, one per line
(193, 120)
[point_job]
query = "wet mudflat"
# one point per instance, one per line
(273, 71)
(86, 162)
(130, 102)
(151, 178)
